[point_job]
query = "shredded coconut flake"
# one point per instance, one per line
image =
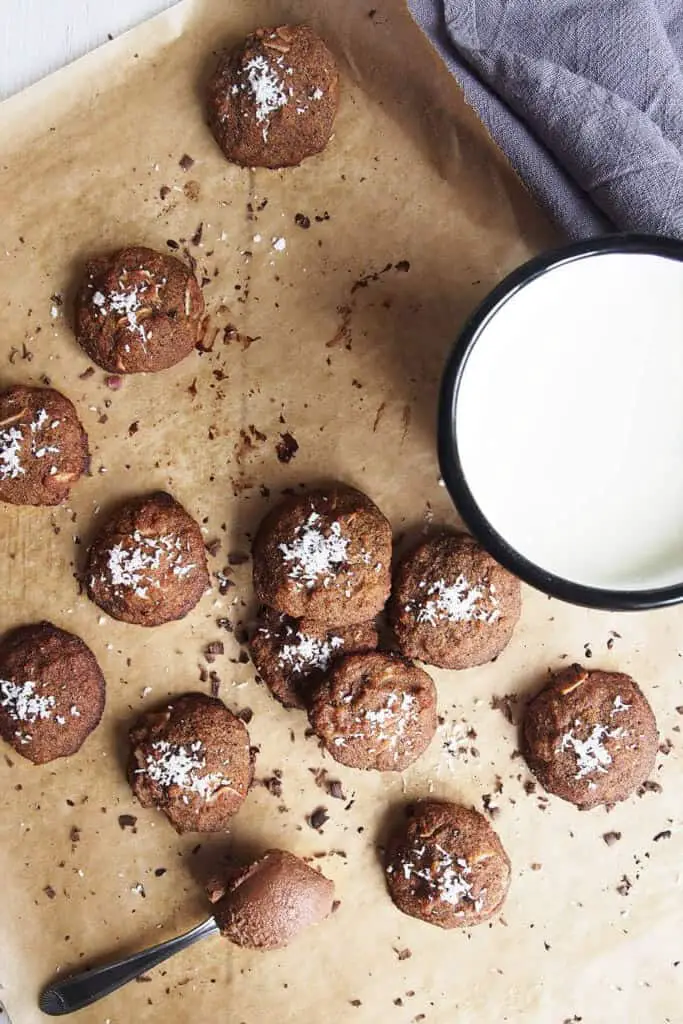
(10, 451)
(174, 765)
(23, 703)
(447, 878)
(457, 602)
(306, 653)
(619, 705)
(591, 754)
(267, 88)
(135, 567)
(314, 557)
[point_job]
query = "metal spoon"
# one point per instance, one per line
(85, 988)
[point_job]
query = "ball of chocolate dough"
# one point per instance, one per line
(267, 904)
(590, 737)
(273, 100)
(445, 865)
(191, 760)
(138, 311)
(324, 555)
(43, 446)
(51, 692)
(148, 564)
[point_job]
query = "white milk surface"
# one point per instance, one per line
(570, 421)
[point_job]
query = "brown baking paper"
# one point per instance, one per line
(339, 340)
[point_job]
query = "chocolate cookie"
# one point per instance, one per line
(138, 311)
(148, 564)
(324, 555)
(192, 761)
(51, 692)
(267, 904)
(374, 711)
(452, 605)
(291, 655)
(447, 866)
(272, 102)
(590, 737)
(43, 446)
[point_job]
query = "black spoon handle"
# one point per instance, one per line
(83, 989)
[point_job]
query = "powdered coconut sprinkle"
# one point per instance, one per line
(10, 450)
(591, 754)
(457, 602)
(313, 556)
(269, 91)
(173, 765)
(447, 878)
(306, 653)
(23, 703)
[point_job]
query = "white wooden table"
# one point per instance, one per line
(39, 36)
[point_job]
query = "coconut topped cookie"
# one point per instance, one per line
(192, 761)
(324, 555)
(452, 605)
(148, 564)
(374, 711)
(590, 737)
(51, 692)
(43, 446)
(273, 100)
(447, 866)
(291, 655)
(138, 311)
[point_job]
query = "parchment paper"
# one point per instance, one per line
(339, 342)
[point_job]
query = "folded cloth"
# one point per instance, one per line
(585, 97)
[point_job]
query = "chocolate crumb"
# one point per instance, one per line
(87, 373)
(665, 834)
(505, 704)
(158, 872)
(355, 1002)
(287, 447)
(213, 547)
(246, 715)
(225, 624)
(402, 954)
(164, 191)
(215, 681)
(197, 236)
(611, 838)
(214, 648)
(403, 265)
(75, 834)
(186, 162)
(398, 1001)
(317, 818)
(133, 428)
(127, 821)
(302, 221)
(529, 787)
(336, 904)
(649, 787)
(49, 892)
(274, 783)
(624, 886)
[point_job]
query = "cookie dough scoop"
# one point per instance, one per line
(262, 906)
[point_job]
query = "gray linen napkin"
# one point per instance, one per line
(585, 97)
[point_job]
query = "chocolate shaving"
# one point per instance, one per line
(287, 447)
(317, 818)
(186, 162)
(128, 821)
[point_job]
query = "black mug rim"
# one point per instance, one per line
(449, 457)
